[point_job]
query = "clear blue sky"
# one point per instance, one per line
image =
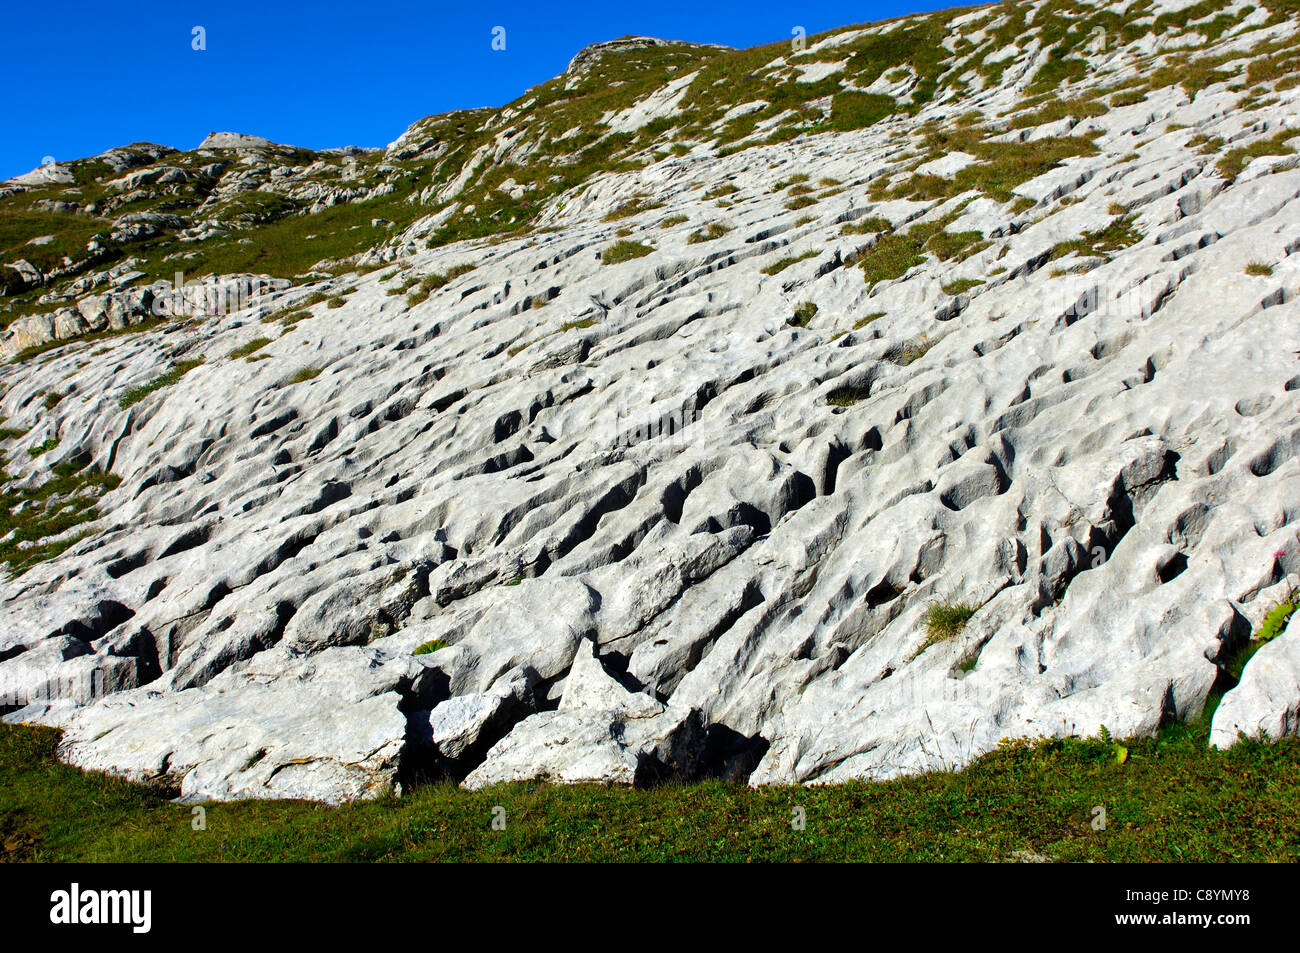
(92, 75)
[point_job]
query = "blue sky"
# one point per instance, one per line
(93, 75)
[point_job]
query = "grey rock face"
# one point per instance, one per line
(326, 728)
(639, 519)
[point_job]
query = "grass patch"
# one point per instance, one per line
(945, 620)
(1232, 164)
(1101, 243)
(137, 394)
(782, 264)
(301, 375)
(707, 233)
(430, 647)
(44, 447)
(854, 110)
(955, 288)
(624, 250)
(1259, 269)
(252, 347)
(846, 396)
(1172, 799)
(631, 207)
(913, 351)
(32, 514)
(432, 282)
(867, 226)
(803, 314)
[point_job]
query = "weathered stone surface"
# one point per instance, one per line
(659, 516)
(325, 728)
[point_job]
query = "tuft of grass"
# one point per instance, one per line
(137, 394)
(429, 283)
(252, 347)
(867, 226)
(301, 375)
(945, 620)
(846, 396)
(624, 250)
(721, 190)
(913, 351)
(709, 232)
(430, 647)
(1259, 269)
(631, 207)
(44, 447)
(866, 319)
(803, 314)
(782, 264)
(574, 325)
(955, 288)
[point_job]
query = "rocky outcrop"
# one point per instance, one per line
(669, 484)
(117, 310)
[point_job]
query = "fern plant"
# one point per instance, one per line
(1275, 621)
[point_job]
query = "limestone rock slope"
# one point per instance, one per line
(657, 470)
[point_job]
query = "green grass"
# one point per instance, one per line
(430, 647)
(945, 620)
(301, 375)
(1172, 799)
(846, 396)
(1232, 164)
(782, 264)
(867, 226)
(961, 284)
(913, 351)
(893, 255)
(631, 207)
(854, 110)
(707, 233)
(66, 500)
(1101, 243)
(252, 347)
(622, 251)
(1259, 269)
(803, 314)
(137, 394)
(429, 283)
(44, 447)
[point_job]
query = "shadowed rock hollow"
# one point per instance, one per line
(662, 479)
